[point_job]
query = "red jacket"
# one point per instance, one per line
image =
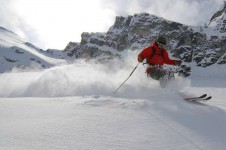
(157, 59)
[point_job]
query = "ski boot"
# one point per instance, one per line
(169, 76)
(184, 71)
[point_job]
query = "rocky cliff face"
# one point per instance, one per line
(204, 45)
(218, 20)
(132, 32)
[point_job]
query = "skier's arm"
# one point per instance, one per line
(143, 55)
(139, 59)
(167, 60)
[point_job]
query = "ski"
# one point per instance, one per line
(208, 98)
(198, 98)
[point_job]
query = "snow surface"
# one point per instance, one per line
(75, 107)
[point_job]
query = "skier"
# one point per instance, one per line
(156, 56)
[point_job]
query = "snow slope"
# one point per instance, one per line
(74, 107)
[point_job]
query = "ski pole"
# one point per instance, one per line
(128, 77)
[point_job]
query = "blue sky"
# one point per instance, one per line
(54, 23)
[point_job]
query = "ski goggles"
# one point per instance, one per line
(161, 45)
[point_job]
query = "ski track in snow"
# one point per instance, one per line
(59, 109)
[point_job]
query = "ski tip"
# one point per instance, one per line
(208, 98)
(204, 95)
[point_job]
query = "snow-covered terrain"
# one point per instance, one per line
(75, 107)
(49, 104)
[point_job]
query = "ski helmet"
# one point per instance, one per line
(161, 40)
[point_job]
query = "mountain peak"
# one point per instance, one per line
(218, 20)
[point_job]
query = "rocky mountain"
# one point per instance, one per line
(204, 45)
(16, 53)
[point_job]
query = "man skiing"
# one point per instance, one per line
(156, 56)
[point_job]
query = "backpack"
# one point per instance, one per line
(153, 54)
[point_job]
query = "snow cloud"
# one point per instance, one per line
(52, 24)
(82, 79)
(94, 79)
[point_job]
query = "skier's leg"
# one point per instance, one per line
(184, 71)
(157, 73)
(167, 76)
(160, 73)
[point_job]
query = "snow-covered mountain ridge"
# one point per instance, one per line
(204, 45)
(16, 53)
(218, 20)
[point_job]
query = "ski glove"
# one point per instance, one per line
(140, 59)
(178, 62)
